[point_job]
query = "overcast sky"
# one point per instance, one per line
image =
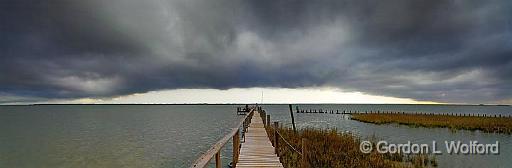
(451, 51)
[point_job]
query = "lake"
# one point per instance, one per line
(111, 135)
(175, 135)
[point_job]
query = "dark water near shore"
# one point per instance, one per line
(175, 135)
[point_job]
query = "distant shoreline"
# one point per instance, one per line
(60, 104)
(472, 123)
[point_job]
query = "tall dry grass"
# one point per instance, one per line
(328, 148)
(485, 124)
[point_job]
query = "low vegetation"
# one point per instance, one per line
(485, 124)
(328, 148)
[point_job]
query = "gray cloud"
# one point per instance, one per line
(450, 51)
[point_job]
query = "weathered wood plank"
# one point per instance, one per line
(257, 151)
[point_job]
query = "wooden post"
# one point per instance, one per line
(293, 119)
(236, 146)
(217, 160)
(268, 120)
(276, 142)
(244, 125)
(264, 117)
(304, 163)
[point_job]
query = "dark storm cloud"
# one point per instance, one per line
(450, 51)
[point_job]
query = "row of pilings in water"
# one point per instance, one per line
(323, 111)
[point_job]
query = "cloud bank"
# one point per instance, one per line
(447, 51)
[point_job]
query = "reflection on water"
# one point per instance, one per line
(111, 136)
(401, 134)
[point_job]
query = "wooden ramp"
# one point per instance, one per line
(257, 151)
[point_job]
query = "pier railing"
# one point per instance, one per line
(215, 150)
(275, 138)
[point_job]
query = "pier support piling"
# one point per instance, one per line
(276, 139)
(268, 120)
(293, 119)
(218, 162)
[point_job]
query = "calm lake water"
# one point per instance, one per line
(175, 135)
(111, 135)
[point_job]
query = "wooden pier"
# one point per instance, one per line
(243, 110)
(257, 151)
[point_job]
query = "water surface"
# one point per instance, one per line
(111, 135)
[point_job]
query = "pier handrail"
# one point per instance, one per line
(205, 158)
(274, 134)
(287, 143)
(275, 129)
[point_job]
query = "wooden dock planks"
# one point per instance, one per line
(257, 151)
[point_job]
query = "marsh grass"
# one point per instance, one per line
(328, 148)
(485, 124)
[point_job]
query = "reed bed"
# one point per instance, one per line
(485, 124)
(328, 148)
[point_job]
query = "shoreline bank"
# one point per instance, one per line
(485, 124)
